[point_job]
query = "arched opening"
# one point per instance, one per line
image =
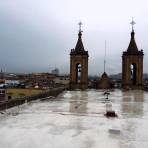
(133, 73)
(78, 73)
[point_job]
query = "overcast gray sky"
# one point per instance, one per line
(37, 35)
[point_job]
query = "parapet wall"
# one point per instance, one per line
(22, 100)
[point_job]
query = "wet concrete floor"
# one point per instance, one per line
(75, 119)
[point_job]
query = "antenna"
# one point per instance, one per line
(105, 57)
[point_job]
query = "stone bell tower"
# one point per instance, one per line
(79, 64)
(132, 65)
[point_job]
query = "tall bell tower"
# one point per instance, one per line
(79, 64)
(132, 65)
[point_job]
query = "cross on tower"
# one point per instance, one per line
(80, 25)
(133, 23)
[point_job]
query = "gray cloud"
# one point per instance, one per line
(37, 35)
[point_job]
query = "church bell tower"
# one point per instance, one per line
(132, 65)
(79, 64)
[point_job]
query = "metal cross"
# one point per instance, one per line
(133, 23)
(80, 25)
